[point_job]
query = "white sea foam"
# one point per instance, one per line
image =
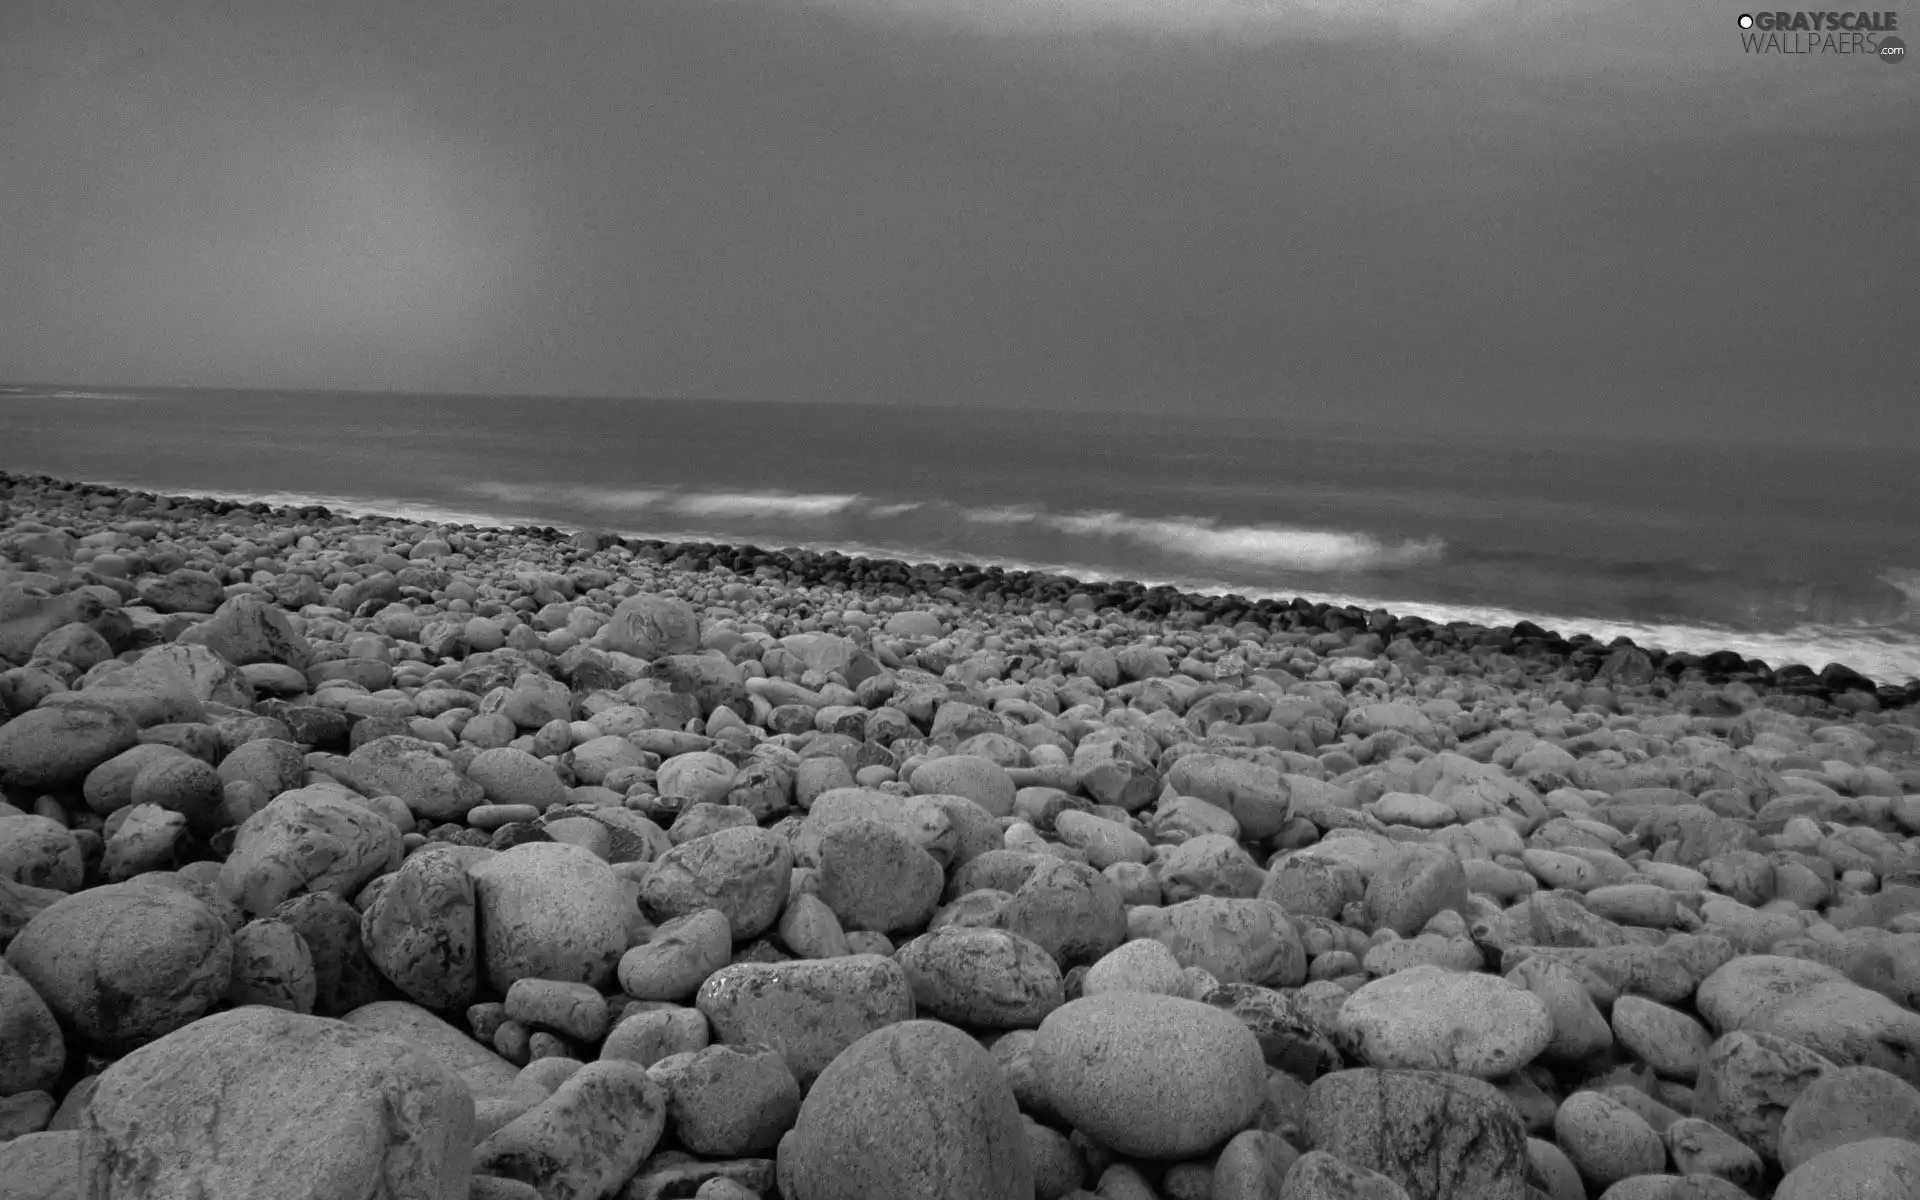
(1272, 546)
(768, 504)
(1002, 514)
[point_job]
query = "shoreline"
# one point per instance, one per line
(985, 585)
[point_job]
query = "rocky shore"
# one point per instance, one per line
(354, 858)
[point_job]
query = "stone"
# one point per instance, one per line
(260, 1102)
(1211, 864)
(40, 852)
(267, 763)
(1255, 794)
(410, 769)
(421, 931)
(1749, 1080)
(1440, 1136)
(1606, 1140)
(810, 930)
(109, 786)
(1068, 909)
(980, 780)
(1666, 1039)
(657, 1032)
(1115, 767)
(687, 780)
(1816, 1006)
(1253, 1166)
(125, 963)
(1700, 1147)
(917, 1109)
(1312, 884)
(344, 976)
(874, 877)
(146, 838)
(310, 840)
(1235, 941)
(510, 776)
(43, 1166)
(1848, 1104)
(651, 627)
(1429, 1018)
(1414, 886)
(731, 1101)
(499, 1094)
(246, 630)
(1105, 1060)
(181, 591)
(186, 786)
(272, 966)
(1579, 1031)
(744, 872)
(1104, 842)
(36, 1050)
(679, 957)
(1317, 1175)
(1141, 965)
(549, 910)
(586, 1139)
(184, 672)
(809, 1011)
(1877, 1169)
(54, 747)
(983, 978)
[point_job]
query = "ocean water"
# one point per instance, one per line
(1788, 552)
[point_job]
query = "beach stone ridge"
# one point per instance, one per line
(342, 857)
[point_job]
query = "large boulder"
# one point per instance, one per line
(246, 630)
(177, 667)
(550, 910)
(1107, 1060)
(651, 627)
(1235, 941)
(40, 852)
(1439, 1135)
(1430, 1018)
(1256, 795)
(307, 840)
(36, 1050)
(809, 1009)
(744, 871)
(54, 746)
(985, 978)
(260, 1102)
(915, 1109)
(126, 963)
(410, 769)
(499, 1091)
(26, 616)
(1816, 1006)
(587, 1138)
(421, 930)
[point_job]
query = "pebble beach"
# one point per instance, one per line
(357, 858)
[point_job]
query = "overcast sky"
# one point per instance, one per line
(1499, 210)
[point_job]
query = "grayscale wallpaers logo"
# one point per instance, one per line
(1868, 34)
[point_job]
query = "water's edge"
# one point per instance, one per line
(1777, 650)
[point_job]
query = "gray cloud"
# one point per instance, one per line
(1571, 213)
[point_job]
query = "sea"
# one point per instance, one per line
(1789, 551)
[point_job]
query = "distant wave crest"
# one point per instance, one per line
(1316, 550)
(916, 523)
